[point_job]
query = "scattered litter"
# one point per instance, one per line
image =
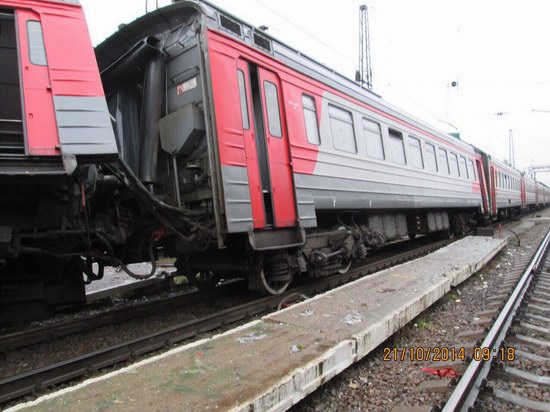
(442, 373)
(363, 380)
(353, 318)
(476, 319)
(457, 300)
(385, 290)
(353, 385)
(251, 337)
(296, 348)
(458, 291)
(306, 313)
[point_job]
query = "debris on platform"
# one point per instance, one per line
(251, 337)
(353, 318)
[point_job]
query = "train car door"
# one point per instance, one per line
(255, 175)
(483, 188)
(276, 137)
(522, 194)
(273, 167)
(39, 120)
(493, 191)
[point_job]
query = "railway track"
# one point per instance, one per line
(37, 380)
(515, 337)
(24, 338)
(30, 336)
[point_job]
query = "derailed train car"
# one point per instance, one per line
(210, 142)
(54, 129)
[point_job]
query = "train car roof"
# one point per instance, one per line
(505, 166)
(176, 14)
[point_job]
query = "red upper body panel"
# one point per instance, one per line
(70, 70)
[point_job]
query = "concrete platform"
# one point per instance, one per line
(272, 363)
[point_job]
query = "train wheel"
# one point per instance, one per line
(346, 264)
(274, 278)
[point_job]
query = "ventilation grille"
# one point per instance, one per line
(230, 25)
(262, 42)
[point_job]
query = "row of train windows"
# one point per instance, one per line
(343, 135)
(343, 139)
(507, 182)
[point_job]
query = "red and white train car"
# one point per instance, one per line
(507, 189)
(214, 143)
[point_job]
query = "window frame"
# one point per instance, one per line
(460, 159)
(33, 42)
(367, 145)
(447, 170)
(243, 93)
(472, 164)
(417, 140)
(351, 123)
(314, 110)
(270, 112)
(397, 135)
(457, 165)
(427, 145)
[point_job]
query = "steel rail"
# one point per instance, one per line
(21, 339)
(475, 376)
(28, 382)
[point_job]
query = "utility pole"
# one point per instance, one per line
(511, 152)
(364, 75)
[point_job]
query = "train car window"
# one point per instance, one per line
(415, 152)
(37, 51)
(373, 139)
(397, 147)
(341, 126)
(454, 165)
(463, 168)
(444, 161)
(244, 101)
(471, 170)
(272, 106)
(310, 117)
(431, 159)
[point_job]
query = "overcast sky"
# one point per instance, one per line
(496, 50)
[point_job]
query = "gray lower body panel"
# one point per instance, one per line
(84, 126)
(238, 207)
(340, 193)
